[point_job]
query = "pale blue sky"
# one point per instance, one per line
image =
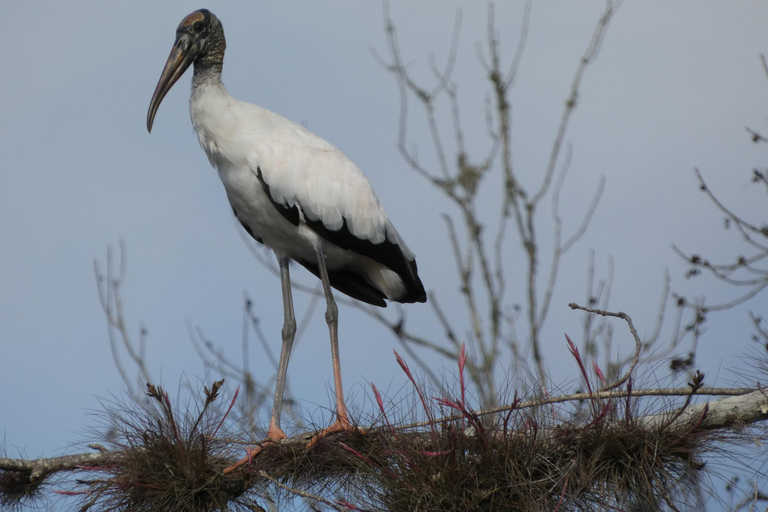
(673, 89)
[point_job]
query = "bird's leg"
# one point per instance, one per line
(289, 332)
(332, 319)
(275, 433)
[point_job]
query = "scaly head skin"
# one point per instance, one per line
(199, 40)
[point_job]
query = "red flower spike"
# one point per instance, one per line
(599, 372)
(572, 347)
(407, 371)
(447, 402)
(575, 352)
(381, 408)
(403, 365)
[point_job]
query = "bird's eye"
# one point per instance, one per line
(198, 27)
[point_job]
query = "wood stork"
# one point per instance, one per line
(293, 192)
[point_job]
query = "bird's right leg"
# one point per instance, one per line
(289, 332)
(275, 432)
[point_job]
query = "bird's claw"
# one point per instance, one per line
(275, 434)
(250, 454)
(341, 424)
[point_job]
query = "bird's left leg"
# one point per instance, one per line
(332, 319)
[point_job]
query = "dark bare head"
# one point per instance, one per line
(199, 41)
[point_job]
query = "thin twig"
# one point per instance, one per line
(108, 287)
(602, 394)
(638, 342)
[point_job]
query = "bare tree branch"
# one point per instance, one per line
(108, 286)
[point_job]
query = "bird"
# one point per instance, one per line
(295, 193)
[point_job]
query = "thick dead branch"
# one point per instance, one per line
(741, 407)
(734, 412)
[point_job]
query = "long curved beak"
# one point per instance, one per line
(179, 60)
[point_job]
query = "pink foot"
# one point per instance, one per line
(274, 433)
(342, 423)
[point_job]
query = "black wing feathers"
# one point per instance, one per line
(350, 284)
(291, 213)
(386, 253)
